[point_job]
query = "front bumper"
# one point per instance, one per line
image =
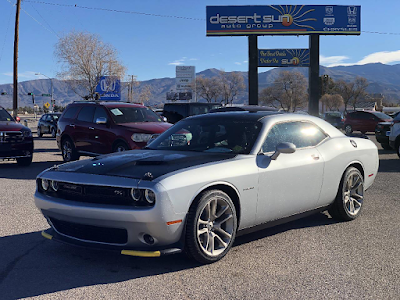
(114, 227)
(16, 150)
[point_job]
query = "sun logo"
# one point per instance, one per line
(290, 15)
(295, 61)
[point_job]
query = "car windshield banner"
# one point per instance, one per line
(283, 20)
(283, 57)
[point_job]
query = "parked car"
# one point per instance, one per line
(93, 128)
(205, 180)
(394, 136)
(175, 112)
(335, 118)
(382, 132)
(16, 141)
(364, 121)
(48, 124)
(252, 108)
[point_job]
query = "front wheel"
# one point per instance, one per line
(39, 132)
(348, 129)
(386, 146)
(121, 147)
(69, 152)
(350, 196)
(211, 227)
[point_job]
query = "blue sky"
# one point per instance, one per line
(150, 46)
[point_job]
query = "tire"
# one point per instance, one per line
(24, 161)
(211, 227)
(350, 196)
(386, 146)
(53, 132)
(68, 150)
(39, 132)
(348, 129)
(397, 147)
(120, 147)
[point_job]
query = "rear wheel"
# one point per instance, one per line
(386, 146)
(350, 196)
(397, 147)
(68, 150)
(24, 161)
(211, 227)
(120, 147)
(348, 129)
(53, 132)
(39, 132)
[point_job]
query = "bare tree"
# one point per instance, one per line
(207, 88)
(231, 84)
(332, 102)
(84, 60)
(359, 90)
(145, 94)
(288, 92)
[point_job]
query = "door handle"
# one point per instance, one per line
(91, 128)
(315, 156)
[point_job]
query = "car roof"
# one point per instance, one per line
(236, 115)
(192, 103)
(108, 104)
(251, 108)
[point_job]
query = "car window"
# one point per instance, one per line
(99, 113)
(301, 134)
(86, 114)
(178, 110)
(48, 118)
(199, 109)
(4, 115)
(55, 117)
(212, 136)
(133, 114)
(381, 116)
(70, 112)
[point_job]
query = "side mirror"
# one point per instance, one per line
(283, 148)
(101, 120)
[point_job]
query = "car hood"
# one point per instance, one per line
(142, 164)
(10, 126)
(147, 127)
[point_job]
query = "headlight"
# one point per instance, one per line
(54, 185)
(150, 196)
(27, 133)
(45, 184)
(141, 137)
(136, 194)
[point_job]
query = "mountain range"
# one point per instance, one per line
(383, 79)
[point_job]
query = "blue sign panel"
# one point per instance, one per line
(283, 20)
(109, 88)
(283, 57)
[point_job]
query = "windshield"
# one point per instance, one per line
(5, 116)
(382, 116)
(132, 114)
(209, 135)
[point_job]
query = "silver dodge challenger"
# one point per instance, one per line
(205, 180)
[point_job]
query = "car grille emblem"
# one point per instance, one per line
(118, 192)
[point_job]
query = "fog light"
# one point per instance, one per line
(54, 185)
(148, 239)
(45, 184)
(150, 196)
(135, 194)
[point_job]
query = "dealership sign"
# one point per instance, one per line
(185, 75)
(283, 57)
(283, 20)
(109, 88)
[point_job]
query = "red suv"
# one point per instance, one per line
(364, 121)
(92, 128)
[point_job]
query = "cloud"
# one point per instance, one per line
(238, 63)
(245, 61)
(384, 57)
(26, 75)
(181, 61)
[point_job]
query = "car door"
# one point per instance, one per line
(292, 183)
(101, 136)
(82, 128)
(41, 123)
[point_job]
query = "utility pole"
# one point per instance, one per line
(16, 38)
(130, 88)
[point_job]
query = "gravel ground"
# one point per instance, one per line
(312, 258)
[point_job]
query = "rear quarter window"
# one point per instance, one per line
(70, 112)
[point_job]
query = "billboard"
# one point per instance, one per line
(283, 57)
(174, 96)
(283, 20)
(109, 88)
(185, 75)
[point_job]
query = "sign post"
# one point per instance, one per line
(253, 70)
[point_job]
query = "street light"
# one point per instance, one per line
(51, 80)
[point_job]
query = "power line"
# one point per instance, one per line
(44, 20)
(116, 10)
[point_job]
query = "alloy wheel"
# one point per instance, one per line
(215, 227)
(353, 195)
(67, 150)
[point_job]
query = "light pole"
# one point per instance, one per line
(52, 102)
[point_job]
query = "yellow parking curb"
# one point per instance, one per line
(141, 253)
(46, 235)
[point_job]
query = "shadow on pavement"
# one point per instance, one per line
(11, 170)
(33, 266)
(389, 165)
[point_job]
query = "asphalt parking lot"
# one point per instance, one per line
(312, 258)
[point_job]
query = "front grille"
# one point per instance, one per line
(93, 194)
(11, 137)
(91, 233)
